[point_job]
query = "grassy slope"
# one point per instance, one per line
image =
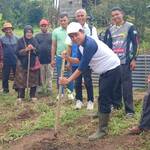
(42, 115)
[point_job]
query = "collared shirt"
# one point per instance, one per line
(59, 35)
(9, 44)
(90, 32)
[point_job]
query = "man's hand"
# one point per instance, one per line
(30, 47)
(148, 78)
(68, 67)
(63, 81)
(133, 64)
(1, 65)
(53, 63)
(64, 55)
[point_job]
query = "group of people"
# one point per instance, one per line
(113, 59)
(21, 55)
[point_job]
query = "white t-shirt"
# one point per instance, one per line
(97, 55)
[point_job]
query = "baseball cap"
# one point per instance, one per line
(74, 27)
(44, 22)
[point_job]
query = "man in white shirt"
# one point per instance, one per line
(102, 60)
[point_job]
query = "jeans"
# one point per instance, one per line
(67, 74)
(88, 85)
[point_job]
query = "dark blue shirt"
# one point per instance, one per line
(86, 52)
(74, 51)
(44, 46)
(9, 45)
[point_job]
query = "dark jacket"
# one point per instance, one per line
(22, 55)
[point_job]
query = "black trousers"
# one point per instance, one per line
(109, 89)
(127, 93)
(5, 75)
(87, 75)
(145, 117)
(21, 92)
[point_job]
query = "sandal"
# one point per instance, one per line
(135, 130)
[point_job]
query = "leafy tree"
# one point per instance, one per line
(35, 13)
(135, 11)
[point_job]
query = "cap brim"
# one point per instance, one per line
(3, 29)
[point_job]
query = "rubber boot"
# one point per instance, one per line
(95, 115)
(103, 127)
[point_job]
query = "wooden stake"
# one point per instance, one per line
(59, 100)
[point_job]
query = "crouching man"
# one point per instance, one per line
(102, 60)
(144, 124)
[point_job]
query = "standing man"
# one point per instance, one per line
(58, 46)
(89, 29)
(81, 17)
(102, 60)
(121, 37)
(1, 56)
(44, 40)
(9, 43)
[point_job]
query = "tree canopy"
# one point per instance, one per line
(31, 11)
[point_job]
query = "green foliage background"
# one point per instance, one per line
(25, 12)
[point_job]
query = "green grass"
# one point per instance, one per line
(19, 31)
(45, 118)
(119, 123)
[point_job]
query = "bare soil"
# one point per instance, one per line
(73, 136)
(45, 139)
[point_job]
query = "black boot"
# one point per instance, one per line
(103, 127)
(96, 115)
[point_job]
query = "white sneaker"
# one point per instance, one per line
(90, 105)
(129, 115)
(78, 104)
(62, 95)
(1, 90)
(34, 99)
(19, 100)
(71, 96)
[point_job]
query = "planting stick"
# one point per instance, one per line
(28, 74)
(57, 117)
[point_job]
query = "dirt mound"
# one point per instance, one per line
(26, 114)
